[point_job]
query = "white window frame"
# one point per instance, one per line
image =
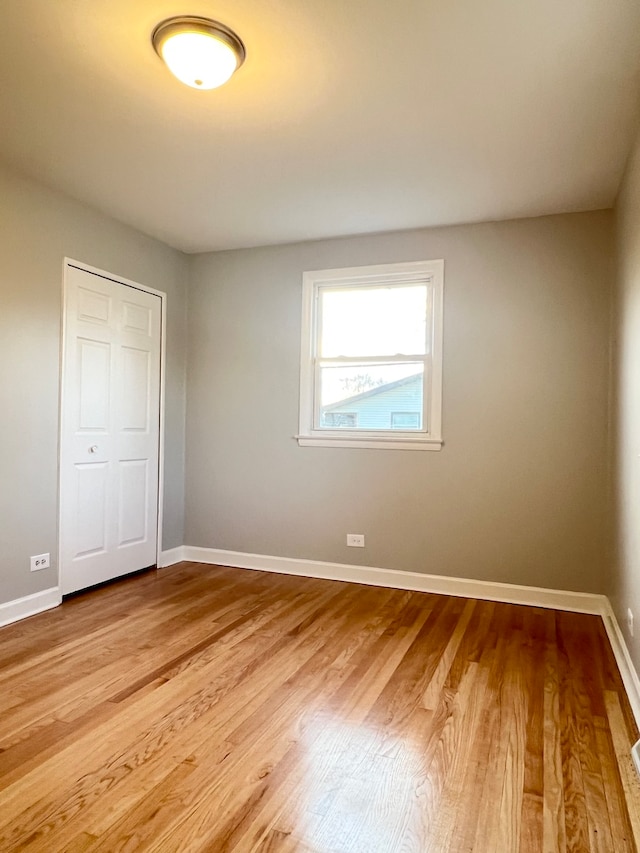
(430, 273)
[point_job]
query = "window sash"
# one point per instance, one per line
(400, 358)
(423, 361)
(318, 312)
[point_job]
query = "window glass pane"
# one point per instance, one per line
(405, 420)
(339, 419)
(365, 397)
(373, 321)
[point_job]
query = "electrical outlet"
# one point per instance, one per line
(42, 561)
(355, 540)
(630, 620)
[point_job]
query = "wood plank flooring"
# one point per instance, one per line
(208, 709)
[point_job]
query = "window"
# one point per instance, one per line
(405, 420)
(371, 359)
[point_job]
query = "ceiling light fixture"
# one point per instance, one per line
(200, 52)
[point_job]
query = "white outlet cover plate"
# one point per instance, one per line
(40, 561)
(355, 540)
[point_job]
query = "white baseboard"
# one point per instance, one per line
(171, 557)
(581, 602)
(628, 671)
(20, 608)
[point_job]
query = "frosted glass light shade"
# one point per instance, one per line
(201, 53)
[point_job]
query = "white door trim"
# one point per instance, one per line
(71, 262)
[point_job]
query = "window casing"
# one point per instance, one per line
(371, 357)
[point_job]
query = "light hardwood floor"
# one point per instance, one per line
(209, 709)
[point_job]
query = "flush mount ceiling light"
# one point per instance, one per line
(200, 52)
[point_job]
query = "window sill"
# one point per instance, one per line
(370, 443)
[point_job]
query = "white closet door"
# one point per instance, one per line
(110, 430)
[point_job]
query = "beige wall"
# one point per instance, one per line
(518, 492)
(623, 578)
(38, 228)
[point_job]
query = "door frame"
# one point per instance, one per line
(71, 262)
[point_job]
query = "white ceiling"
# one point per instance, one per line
(348, 116)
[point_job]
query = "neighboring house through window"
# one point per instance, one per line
(405, 420)
(339, 419)
(371, 358)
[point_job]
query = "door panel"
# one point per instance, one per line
(90, 505)
(93, 307)
(110, 430)
(94, 380)
(136, 318)
(134, 391)
(134, 476)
